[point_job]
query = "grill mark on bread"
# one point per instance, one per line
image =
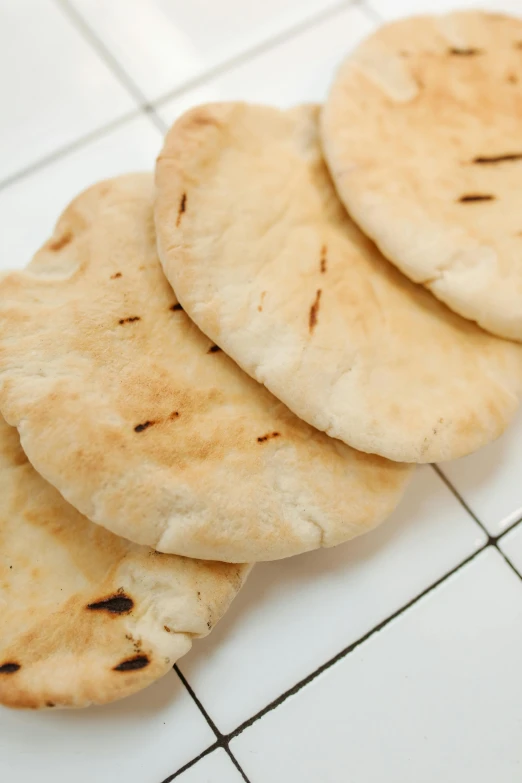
(61, 242)
(144, 426)
(465, 52)
(129, 320)
(182, 208)
(488, 160)
(323, 260)
(314, 310)
(9, 668)
(115, 604)
(268, 436)
(467, 198)
(132, 664)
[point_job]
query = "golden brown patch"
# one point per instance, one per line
(260, 305)
(61, 242)
(114, 276)
(314, 310)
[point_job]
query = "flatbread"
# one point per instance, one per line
(143, 424)
(421, 131)
(265, 260)
(85, 616)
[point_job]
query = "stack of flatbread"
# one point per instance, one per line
(243, 358)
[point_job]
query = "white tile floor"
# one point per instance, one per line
(386, 660)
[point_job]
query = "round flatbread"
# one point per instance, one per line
(421, 131)
(85, 616)
(265, 260)
(143, 424)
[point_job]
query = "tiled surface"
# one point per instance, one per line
(214, 768)
(189, 38)
(489, 480)
(296, 71)
(30, 207)
(139, 740)
(391, 9)
(435, 696)
(54, 86)
(511, 545)
(294, 615)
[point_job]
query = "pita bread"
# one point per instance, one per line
(143, 424)
(265, 260)
(85, 616)
(421, 131)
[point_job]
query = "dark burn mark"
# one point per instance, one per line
(50, 704)
(469, 197)
(323, 259)
(465, 52)
(116, 604)
(144, 426)
(61, 242)
(9, 668)
(176, 307)
(268, 436)
(167, 629)
(314, 309)
(115, 275)
(129, 320)
(174, 415)
(132, 664)
(209, 625)
(490, 159)
(182, 208)
(214, 349)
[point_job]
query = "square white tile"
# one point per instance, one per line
(214, 768)
(294, 615)
(55, 88)
(489, 480)
(30, 207)
(164, 43)
(435, 696)
(511, 545)
(142, 739)
(298, 70)
(391, 9)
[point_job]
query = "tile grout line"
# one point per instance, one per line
(370, 12)
(191, 763)
(222, 740)
(347, 650)
(104, 53)
(492, 539)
